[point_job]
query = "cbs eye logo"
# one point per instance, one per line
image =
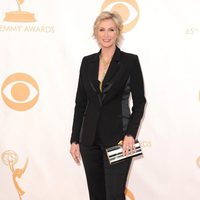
(20, 91)
(127, 9)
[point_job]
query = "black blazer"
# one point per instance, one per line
(107, 113)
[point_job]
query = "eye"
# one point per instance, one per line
(20, 91)
(127, 9)
(112, 29)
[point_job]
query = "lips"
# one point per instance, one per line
(106, 40)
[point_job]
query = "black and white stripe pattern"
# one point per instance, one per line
(115, 153)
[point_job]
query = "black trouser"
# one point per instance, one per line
(105, 181)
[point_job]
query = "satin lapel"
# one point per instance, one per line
(93, 71)
(113, 68)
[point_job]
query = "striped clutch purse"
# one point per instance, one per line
(115, 153)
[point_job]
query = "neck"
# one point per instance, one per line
(107, 53)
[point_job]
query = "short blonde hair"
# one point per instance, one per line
(116, 19)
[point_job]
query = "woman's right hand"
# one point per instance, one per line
(75, 152)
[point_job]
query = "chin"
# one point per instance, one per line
(107, 45)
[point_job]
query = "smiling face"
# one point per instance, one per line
(106, 33)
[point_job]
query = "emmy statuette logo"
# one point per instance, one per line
(129, 194)
(10, 158)
(19, 16)
(22, 21)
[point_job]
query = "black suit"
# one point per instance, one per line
(102, 119)
(108, 112)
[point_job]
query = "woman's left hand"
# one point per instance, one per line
(128, 145)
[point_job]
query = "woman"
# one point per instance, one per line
(102, 116)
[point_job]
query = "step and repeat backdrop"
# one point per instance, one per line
(41, 46)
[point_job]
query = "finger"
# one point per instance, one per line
(125, 150)
(78, 156)
(76, 159)
(130, 152)
(134, 149)
(131, 149)
(75, 155)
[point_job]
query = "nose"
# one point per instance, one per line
(106, 34)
